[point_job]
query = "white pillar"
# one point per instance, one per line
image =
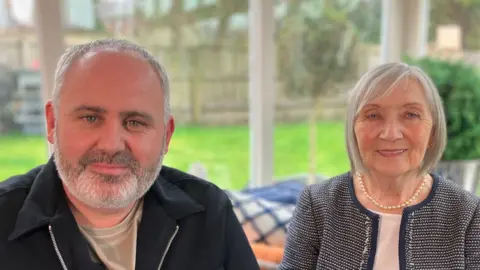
(48, 18)
(261, 90)
(386, 31)
(404, 29)
(424, 26)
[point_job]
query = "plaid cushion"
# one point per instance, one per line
(286, 192)
(264, 221)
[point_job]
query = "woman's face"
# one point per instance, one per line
(394, 131)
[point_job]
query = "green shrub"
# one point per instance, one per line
(459, 86)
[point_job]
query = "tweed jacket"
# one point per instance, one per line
(330, 229)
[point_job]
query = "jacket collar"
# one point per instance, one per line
(47, 200)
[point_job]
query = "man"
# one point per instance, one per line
(104, 200)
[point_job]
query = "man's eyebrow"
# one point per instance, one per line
(95, 109)
(143, 115)
(124, 114)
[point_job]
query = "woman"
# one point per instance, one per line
(389, 212)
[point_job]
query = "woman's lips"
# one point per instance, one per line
(391, 152)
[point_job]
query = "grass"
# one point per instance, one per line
(20, 153)
(223, 150)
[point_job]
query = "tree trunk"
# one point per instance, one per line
(312, 172)
(224, 22)
(175, 26)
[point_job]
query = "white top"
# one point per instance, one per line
(387, 242)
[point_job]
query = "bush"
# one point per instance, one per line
(459, 87)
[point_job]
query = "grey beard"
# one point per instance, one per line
(105, 191)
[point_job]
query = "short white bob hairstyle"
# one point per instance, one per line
(379, 82)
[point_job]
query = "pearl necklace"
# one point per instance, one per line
(390, 207)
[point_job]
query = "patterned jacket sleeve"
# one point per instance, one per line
(472, 242)
(303, 240)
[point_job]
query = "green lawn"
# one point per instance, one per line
(224, 151)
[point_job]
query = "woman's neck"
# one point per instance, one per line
(390, 190)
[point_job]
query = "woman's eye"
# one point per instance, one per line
(412, 115)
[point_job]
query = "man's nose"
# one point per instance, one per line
(392, 130)
(112, 137)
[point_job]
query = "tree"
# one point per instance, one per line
(465, 13)
(367, 17)
(318, 53)
(329, 57)
(177, 18)
(99, 24)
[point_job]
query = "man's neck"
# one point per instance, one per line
(94, 217)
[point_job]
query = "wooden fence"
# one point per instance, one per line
(209, 85)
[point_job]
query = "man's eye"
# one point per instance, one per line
(90, 118)
(135, 123)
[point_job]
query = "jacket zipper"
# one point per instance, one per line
(55, 246)
(168, 247)
(64, 266)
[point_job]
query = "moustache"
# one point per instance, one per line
(123, 158)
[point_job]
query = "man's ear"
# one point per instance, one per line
(169, 129)
(50, 119)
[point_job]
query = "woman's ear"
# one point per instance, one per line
(431, 140)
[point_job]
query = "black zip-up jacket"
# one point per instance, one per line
(187, 224)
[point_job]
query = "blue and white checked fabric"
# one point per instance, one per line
(267, 219)
(286, 192)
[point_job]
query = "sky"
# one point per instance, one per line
(80, 12)
(22, 11)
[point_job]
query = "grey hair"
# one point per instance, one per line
(75, 52)
(379, 82)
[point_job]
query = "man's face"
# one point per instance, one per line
(109, 131)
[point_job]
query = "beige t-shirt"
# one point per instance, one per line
(387, 242)
(115, 247)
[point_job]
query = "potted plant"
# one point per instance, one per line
(459, 87)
